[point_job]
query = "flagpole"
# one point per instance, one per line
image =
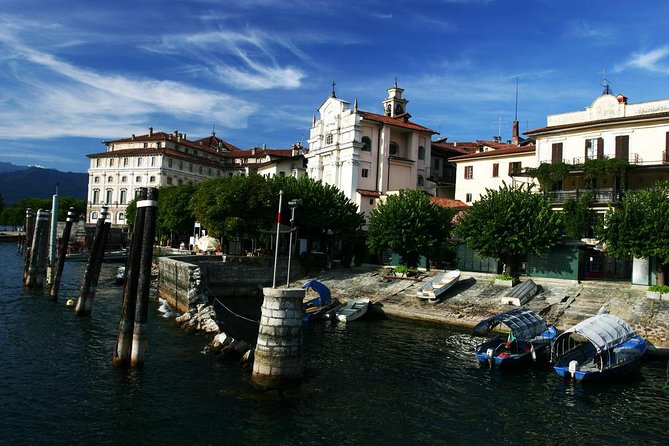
(276, 248)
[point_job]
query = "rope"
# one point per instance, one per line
(216, 300)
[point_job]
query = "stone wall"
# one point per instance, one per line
(185, 281)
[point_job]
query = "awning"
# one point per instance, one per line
(323, 291)
(525, 324)
(604, 331)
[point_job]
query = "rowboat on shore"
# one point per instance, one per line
(353, 309)
(438, 286)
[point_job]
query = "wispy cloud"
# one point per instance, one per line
(656, 61)
(583, 29)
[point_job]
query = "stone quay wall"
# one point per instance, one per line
(185, 281)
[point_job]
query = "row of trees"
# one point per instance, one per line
(511, 222)
(15, 215)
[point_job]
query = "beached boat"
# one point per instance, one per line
(318, 307)
(602, 346)
(353, 309)
(436, 287)
(528, 341)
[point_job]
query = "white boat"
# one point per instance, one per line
(354, 309)
(437, 286)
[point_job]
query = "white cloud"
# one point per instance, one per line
(654, 61)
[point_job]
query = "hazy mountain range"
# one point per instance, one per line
(18, 182)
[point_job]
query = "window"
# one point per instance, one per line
(169, 181)
(123, 196)
(366, 144)
(200, 170)
(139, 162)
(110, 179)
(515, 167)
(190, 167)
(125, 162)
(394, 149)
(371, 201)
(421, 152)
(469, 172)
(169, 163)
(153, 161)
(437, 163)
(181, 182)
(146, 145)
(158, 145)
(328, 138)
(124, 179)
(195, 153)
(97, 162)
(96, 196)
(468, 197)
(209, 171)
(108, 197)
(111, 162)
(94, 216)
(152, 179)
(121, 217)
(421, 181)
(495, 170)
(181, 165)
(282, 174)
(594, 148)
(138, 179)
(623, 147)
(96, 179)
(365, 173)
(556, 153)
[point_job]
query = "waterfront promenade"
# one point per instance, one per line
(475, 297)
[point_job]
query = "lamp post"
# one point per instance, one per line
(293, 204)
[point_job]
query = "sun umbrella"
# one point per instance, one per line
(207, 243)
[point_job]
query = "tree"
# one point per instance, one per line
(508, 224)
(174, 213)
(640, 227)
(15, 215)
(409, 225)
(2, 204)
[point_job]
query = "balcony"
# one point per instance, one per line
(599, 196)
(445, 178)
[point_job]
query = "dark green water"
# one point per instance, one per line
(371, 382)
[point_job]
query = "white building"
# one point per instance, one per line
(152, 160)
(367, 155)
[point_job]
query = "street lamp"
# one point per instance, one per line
(293, 204)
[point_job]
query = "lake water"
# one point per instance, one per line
(372, 382)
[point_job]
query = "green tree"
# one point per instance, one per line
(174, 212)
(640, 227)
(508, 224)
(15, 215)
(578, 216)
(409, 225)
(2, 204)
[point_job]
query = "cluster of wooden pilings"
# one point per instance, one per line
(131, 340)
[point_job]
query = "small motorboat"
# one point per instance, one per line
(318, 307)
(353, 309)
(120, 275)
(438, 286)
(599, 347)
(528, 341)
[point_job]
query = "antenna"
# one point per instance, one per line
(515, 118)
(213, 128)
(606, 84)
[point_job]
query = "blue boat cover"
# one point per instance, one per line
(323, 292)
(524, 324)
(604, 331)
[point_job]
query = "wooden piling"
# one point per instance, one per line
(29, 230)
(89, 282)
(38, 251)
(144, 279)
(123, 346)
(64, 241)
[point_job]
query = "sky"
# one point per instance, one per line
(75, 73)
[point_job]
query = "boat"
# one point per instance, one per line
(528, 341)
(438, 286)
(353, 309)
(120, 275)
(318, 307)
(602, 346)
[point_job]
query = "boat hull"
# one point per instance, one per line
(353, 310)
(438, 286)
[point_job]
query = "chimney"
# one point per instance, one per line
(622, 99)
(515, 138)
(133, 137)
(150, 131)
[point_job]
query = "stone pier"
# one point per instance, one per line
(278, 353)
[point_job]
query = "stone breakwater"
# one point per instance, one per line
(476, 297)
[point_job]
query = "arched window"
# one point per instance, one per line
(108, 196)
(328, 138)
(421, 152)
(394, 149)
(94, 216)
(366, 143)
(96, 196)
(123, 196)
(121, 217)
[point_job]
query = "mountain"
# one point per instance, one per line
(37, 182)
(9, 167)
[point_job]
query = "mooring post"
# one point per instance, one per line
(38, 251)
(95, 257)
(144, 280)
(53, 231)
(278, 355)
(129, 301)
(64, 241)
(30, 229)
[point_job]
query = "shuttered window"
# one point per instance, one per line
(623, 147)
(556, 155)
(495, 170)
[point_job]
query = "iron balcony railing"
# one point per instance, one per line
(599, 196)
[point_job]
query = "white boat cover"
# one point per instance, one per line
(604, 331)
(525, 324)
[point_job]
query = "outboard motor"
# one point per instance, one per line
(573, 366)
(489, 354)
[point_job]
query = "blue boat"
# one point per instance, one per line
(603, 346)
(318, 307)
(528, 341)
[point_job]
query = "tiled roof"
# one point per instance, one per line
(260, 153)
(454, 148)
(514, 150)
(397, 121)
(209, 144)
(368, 193)
(448, 202)
(597, 123)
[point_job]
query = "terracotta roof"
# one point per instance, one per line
(260, 153)
(448, 202)
(452, 148)
(209, 144)
(399, 121)
(498, 152)
(368, 193)
(597, 122)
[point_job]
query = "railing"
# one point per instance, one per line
(599, 196)
(448, 178)
(665, 157)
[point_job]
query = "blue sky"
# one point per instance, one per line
(74, 73)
